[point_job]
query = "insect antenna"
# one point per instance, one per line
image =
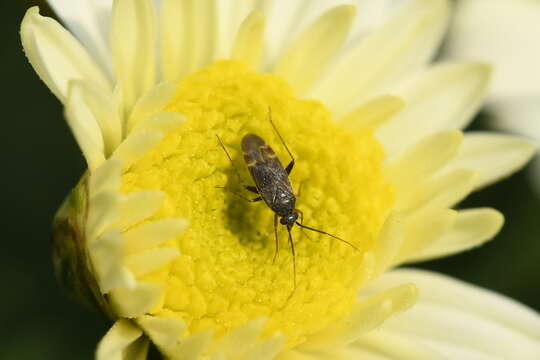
(278, 134)
(325, 233)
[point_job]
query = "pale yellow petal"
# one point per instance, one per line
(493, 156)
(135, 302)
(373, 112)
(264, 349)
(472, 228)
(136, 145)
(192, 347)
(138, 206)
(249, 43)
(386, 345)
(164, 332)
(153, 233)
(117, 340)
(439, 192)
(389, 242)
(423, 159)
(401, 46)
(439, 98)
(103, 212)
(106, 253)
(57, 57)
(240, 339)
(425, 229)
(188, 36)
(106, 177)
(470, 322)
(85, 128)
(103, 110)
(147, 261)
(133, 44)
(367, 315)
(150, 103)
(164, 122)
(305, 59)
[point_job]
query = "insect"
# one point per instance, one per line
(272, 185)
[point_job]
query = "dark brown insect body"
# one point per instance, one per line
(271, 179)
(273, 186)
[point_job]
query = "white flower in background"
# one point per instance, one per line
(505, 34)
(149, 238)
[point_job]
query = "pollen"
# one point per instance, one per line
(225, 274)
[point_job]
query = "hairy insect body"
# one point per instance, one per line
(271, 180)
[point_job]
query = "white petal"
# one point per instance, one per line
(399, 47)
(373, 112)
(85, 128)
(461, 321)
(367, 314)
(104, 111)
(153, 233)
(442, 97)
(137, 145)
(307, 57)
(493, 156)
(440, 192)
(164, 332)
(135, 302)
(117, 340)
(147, 261)
(57, 57)
(103, 212)
(504, 33)
(472, 228)
(517, 115)
(107, 253)
(424, 229)
(138, 206)
(385, 345)
(286, 19)
(423, 159)
(164, 121)
(89, 21)
(249, 42)
(389, 242)
(188, 36)
(106, 177)
(150, 103)
(133, 47)
(239, 339)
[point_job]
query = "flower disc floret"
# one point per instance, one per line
(224, 275)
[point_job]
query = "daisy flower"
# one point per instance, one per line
(151, 238)
(504, 33)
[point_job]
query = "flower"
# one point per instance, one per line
(503, 33)
(150, 237)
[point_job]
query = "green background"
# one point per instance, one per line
(41, 162)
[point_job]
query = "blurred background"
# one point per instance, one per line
(41, 163)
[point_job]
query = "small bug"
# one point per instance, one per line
(272, 185)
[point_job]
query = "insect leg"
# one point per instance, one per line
(258, 198)
(253, 189)
(232, 163)
(275, 233)
(290, 166)
(293, 259)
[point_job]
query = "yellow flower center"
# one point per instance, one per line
(225, 275)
